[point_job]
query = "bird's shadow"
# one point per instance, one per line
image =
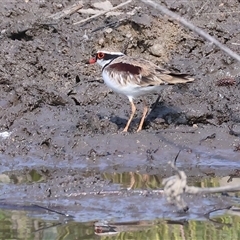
(158, 110)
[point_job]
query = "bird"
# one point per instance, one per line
(134, 77)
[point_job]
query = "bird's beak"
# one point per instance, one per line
(92, 60)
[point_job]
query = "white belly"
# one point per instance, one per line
(131, 90)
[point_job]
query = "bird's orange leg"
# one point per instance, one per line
(145, 111)
(131, 116)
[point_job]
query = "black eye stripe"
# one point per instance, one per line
(108, 56)
(111, 57)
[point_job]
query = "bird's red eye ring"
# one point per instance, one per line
(100, 55)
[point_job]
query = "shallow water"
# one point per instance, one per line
(136, 215)
(22, 225)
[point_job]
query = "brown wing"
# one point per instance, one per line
(143, 73)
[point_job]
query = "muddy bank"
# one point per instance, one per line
(62, 121)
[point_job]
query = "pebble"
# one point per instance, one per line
(108, 30)
(157, 50)
(101, 41)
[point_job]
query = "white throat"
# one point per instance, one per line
(103, 62)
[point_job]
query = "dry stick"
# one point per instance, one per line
(52, 210)
(102, 13)
(67, 11)
(196, 190)
(175, 186)
(195, 29)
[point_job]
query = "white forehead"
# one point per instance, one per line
(112, 53)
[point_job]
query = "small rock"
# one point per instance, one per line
(129, 35)
(157, 50)
(59, 5)
(108, 30)
(142, 19)
(103, 5)
(101, 41)
(3, 31)
(221, 17)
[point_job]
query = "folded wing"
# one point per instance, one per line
(143, 73)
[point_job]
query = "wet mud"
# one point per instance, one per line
(60, 126)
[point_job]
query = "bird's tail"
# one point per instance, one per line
(180, 78)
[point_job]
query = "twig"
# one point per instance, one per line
(212, 136)
(102, 13)
(195, 29)
(232, 132)
(48, 227)
(196, 190)
(198, 12)
(175, 160)
(215, 221)
(155, 104)
(52, 210)
(67, 11)
(175, 186)
(111, 25)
